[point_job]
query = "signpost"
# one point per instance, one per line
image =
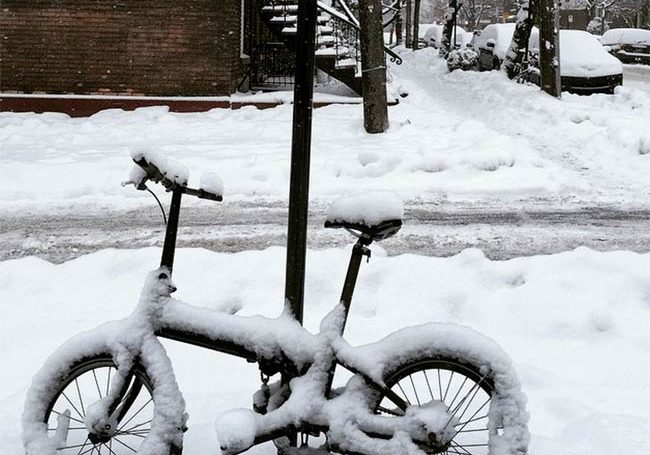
(300, 158)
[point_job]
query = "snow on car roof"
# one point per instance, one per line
(626, 36)
(581, 55)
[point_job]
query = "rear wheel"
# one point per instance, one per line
(462, 388)
(86, 382)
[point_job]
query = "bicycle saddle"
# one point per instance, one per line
(373, 215)
(377, 232)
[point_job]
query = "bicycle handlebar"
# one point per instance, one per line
(154, 174)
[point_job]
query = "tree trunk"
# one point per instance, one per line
(373, 66)
(416, 24)
(519, 46)
(450, 22)
(409, 15)
(549, 47)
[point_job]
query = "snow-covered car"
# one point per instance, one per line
(585, 65)
(491, 45)
(433, 36)
(629, 45)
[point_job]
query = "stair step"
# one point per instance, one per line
(289, 30)
(273, 8)
(288, 19)
(326, 39)
(346, 63)
(325, 29)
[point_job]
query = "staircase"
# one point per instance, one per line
(337, 43)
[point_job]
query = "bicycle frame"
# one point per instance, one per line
(277, 363)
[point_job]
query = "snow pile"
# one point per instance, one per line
(437, 146)
(369, 209)
(174, 170)
(557, 316)
(617, 36)
(212, 183)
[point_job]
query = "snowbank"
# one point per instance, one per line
(457, 136)
(575, 324)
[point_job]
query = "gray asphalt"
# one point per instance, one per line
(429, 229)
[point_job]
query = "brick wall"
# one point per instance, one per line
(145, 47)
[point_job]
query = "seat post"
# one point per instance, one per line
(359, 250)
(169, 247)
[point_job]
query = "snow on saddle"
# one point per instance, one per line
(374, 215)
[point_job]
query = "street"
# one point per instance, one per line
(432, 230)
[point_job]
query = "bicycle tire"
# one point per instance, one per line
(85, 381)
(465, 391)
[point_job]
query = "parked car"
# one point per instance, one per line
(491, 45)
(629, 45)
(585, 65)
(433, 36)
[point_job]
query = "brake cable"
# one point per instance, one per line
(159, 204)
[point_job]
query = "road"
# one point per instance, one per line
(428, 230)
(637, 76)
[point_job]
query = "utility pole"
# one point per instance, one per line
(303, 95)
(416, 24)
(549, 47)
(373, 66)
(409, 15)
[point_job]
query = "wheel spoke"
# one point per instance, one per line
(69, 417)
(457, 393)
(439, 384)
(132, 434)
(417, 398)
(447, 389)
(108, 382)
(137, 412)
(97, 384)
(473, 415)
(459, 447)
(424, 372)
(72, 404)
(126, 445)
(76, 383)
(138, 425)
(405, 395)
(110, 443)
(474, 420)
(82, 447)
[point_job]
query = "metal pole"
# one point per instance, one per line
(300, 155)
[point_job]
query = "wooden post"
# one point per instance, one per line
(549, 47)
(373, 66)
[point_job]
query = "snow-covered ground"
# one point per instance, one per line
(576, 323)
(456, 136)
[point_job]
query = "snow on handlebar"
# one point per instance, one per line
(172, 175)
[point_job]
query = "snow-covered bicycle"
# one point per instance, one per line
(433, 388)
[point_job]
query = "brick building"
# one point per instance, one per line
(120, 47)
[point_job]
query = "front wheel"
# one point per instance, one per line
(95, 396)
(460, 386)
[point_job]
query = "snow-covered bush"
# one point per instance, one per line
(464, 59)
